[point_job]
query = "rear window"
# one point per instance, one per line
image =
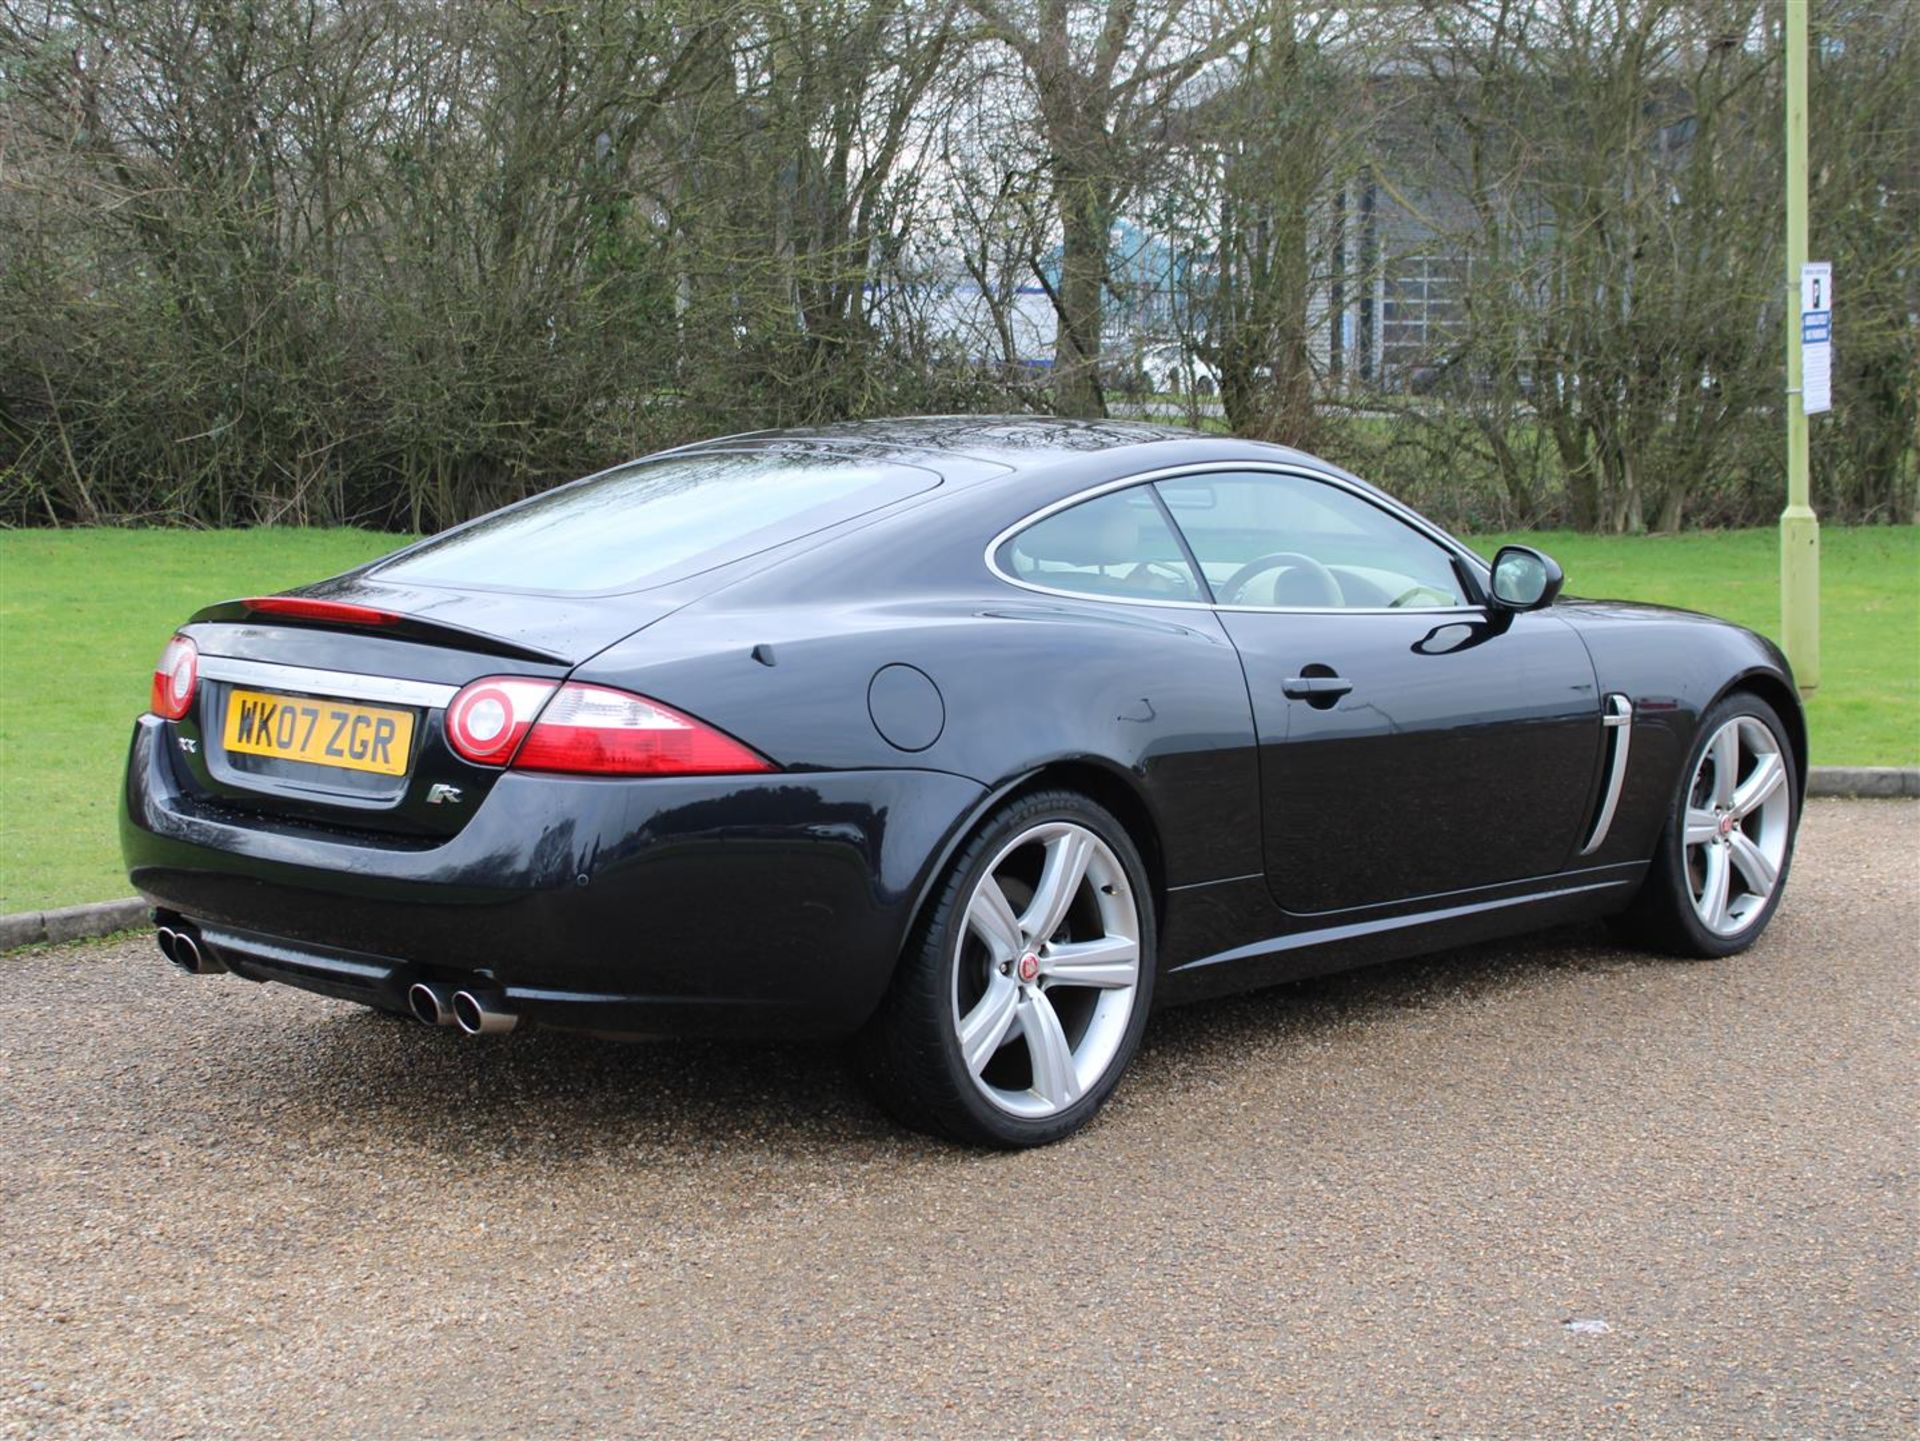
(658, 520)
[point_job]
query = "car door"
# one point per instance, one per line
(1412, 742)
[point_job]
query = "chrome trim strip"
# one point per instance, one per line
(1221, 881)
(348, 685)
(1412, 519)
(1273, 945)
(1619, 720)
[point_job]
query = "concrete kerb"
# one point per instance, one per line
(71, 923)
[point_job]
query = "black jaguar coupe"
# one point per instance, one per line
(971, 739)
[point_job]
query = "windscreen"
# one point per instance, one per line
(657, 520)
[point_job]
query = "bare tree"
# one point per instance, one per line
(390, 261)
(1621, 224)
(1270, 156)
(1866, 219)
(1105, 80)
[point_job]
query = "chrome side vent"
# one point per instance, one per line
(1618, 721)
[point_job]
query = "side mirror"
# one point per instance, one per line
(1525, 579)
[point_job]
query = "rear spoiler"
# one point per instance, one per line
(314, 613)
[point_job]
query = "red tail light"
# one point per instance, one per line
(175, 679)
(591, 730)
(487, 721)
(302, 608)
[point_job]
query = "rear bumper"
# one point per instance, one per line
(750, 905)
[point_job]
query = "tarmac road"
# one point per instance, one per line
(1363, 1206)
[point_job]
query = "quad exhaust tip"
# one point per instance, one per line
(478, 1013)
(187, 951)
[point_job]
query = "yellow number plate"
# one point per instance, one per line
(321, 732)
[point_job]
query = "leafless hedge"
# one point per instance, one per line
(396, 261)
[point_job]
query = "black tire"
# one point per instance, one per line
(910, 1054)
(1662, 916)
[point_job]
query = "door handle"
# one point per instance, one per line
(1316, 690)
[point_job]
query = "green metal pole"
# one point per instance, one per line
(1799, 527)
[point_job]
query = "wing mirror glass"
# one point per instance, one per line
(1525, 578)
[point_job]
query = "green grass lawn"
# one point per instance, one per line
(1867, 709)
(83, 615)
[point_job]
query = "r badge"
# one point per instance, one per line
(442, 792)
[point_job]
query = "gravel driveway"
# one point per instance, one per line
(1541, 1189)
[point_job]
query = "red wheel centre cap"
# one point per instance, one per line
(1029, 966)
(1727, 823)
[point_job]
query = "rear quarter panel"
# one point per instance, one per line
(1157, 697)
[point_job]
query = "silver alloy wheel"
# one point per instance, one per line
(1047, 970)
(1739, 810)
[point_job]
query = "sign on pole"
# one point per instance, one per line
(1799, 526)
(1816, 337)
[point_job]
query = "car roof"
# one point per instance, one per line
(1010, 442)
